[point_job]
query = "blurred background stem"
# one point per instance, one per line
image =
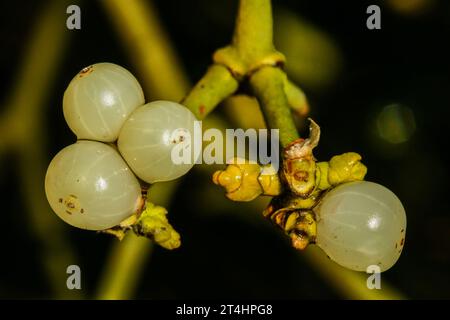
(148, 47)
(347, 283)
(22, 132)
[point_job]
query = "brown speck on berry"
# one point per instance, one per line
(85, 71)
(72, 203)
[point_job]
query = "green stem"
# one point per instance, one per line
(253, 34)
(252, 45)
(216, 85)
(268, 86)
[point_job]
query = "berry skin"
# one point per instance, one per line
(99, 99)
(149, 135)
(89, 186)
(361, 224)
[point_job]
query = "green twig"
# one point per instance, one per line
(216, 85)
(268, 86)
(253, 33)
(252, 45)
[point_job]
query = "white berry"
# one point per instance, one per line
(149, 135)
(89, 186)
(99, 99)
(361, 224)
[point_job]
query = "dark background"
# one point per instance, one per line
(405, 64)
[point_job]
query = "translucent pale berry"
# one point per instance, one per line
(151, 133)
(90, 186)
(361, 224)
(99, 99)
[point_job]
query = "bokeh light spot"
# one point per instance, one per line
(396, 123)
